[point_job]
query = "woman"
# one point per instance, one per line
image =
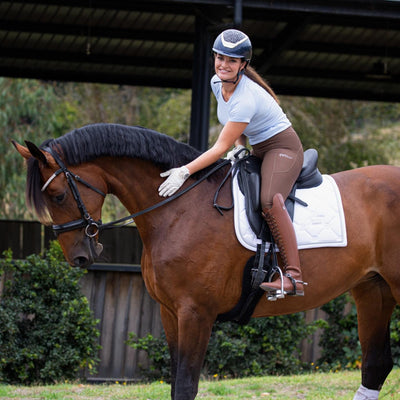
(248, 108)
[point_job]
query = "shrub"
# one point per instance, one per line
(339, 341)
(264, 346)
(47, 332)
(271, 345)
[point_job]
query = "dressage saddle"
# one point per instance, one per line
(249, 179)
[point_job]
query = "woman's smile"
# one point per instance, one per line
(227, 67)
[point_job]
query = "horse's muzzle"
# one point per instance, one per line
(88, 253)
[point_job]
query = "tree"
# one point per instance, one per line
(29, 110)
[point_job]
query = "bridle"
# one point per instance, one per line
(92, 227)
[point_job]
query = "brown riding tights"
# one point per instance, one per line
(282, 157)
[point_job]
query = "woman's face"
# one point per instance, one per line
(226, 67)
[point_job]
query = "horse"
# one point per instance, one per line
(192, 262)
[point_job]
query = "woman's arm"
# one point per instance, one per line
(241, 141)
(230, 134)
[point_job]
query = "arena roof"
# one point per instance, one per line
(340, 48)
(330, 48)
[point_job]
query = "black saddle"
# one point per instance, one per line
(249, 179)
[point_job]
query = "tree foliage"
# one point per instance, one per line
(29, 110)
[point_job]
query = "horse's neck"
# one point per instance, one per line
(134, 182)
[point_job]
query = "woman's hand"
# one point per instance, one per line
(176, 178)
(237, 153)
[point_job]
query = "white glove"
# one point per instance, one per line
(176, 178)
(231, 154)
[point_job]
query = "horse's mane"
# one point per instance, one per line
(97, 140)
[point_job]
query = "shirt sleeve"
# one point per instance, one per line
(215, 86)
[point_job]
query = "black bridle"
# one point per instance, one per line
(92, 227)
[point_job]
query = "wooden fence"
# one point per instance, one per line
(117, 296)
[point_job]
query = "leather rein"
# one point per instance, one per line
(92, 227)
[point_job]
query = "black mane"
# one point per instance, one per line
(97, 140)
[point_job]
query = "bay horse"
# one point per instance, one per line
(192, 262)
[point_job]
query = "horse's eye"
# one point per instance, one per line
(59, 199)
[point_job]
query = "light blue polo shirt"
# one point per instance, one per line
(252, 104)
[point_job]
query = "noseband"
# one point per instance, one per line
(91, 226)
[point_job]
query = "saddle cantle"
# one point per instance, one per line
(249, 179)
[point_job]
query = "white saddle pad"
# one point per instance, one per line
(320, 224)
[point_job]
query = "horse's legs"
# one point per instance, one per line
(170, 325)
(375, 305)
(195, 327)
(188, 336)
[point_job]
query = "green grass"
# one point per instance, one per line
(316, 386)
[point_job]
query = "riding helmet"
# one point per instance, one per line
(233, 43)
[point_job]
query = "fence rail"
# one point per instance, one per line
(117, 295)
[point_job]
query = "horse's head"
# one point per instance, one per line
(70, 198)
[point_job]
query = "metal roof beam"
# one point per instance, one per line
(283, 41)
(92, 58)
(333, 75)
(96, 77)
(373, 9)
(340, 48)
(336, 93)
(98, 31)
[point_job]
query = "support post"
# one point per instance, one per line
(200, 112)
(238, 14)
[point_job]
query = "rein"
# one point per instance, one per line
(115, 224)
(92, 227)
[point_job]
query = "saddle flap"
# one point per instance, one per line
(249, 179)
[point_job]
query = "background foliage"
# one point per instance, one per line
(47, 331)
(270, 346)
(264, 346)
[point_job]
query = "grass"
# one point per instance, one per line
(316, 386)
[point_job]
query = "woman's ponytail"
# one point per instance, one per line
(251, 73)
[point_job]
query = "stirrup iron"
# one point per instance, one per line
(277, 294)
(281, 293)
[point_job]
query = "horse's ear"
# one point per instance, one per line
(36, 152)
(22, 150)
(30, 151)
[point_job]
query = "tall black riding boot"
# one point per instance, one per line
(283, 233)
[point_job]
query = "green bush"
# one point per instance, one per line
(264, 346)
(339, 341)
(271, 345)
(395, 335)
(47, 332)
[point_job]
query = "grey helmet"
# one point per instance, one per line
(233, 43)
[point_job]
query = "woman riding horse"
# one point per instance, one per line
(248, 107)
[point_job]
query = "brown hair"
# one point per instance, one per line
(251, 73)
